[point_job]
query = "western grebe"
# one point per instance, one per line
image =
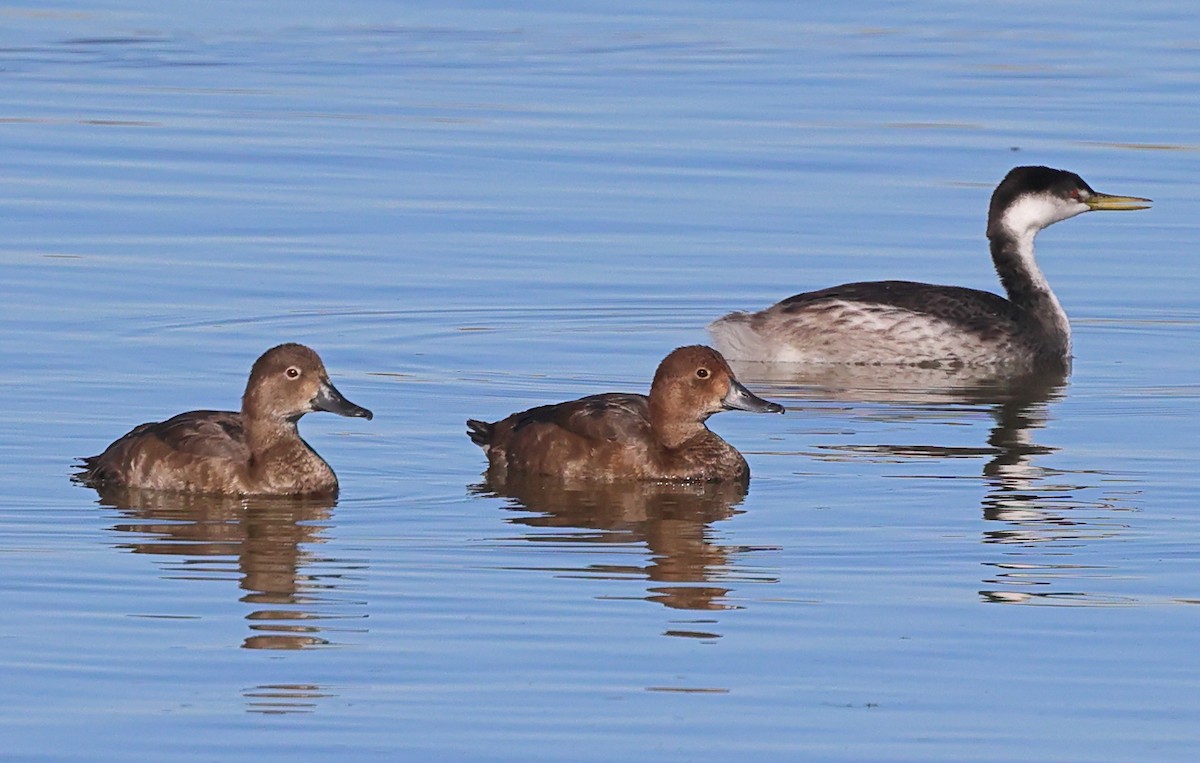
(903, 322)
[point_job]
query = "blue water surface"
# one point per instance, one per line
(471, 208)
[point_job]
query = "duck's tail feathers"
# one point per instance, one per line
(90, 472)
(480, 432)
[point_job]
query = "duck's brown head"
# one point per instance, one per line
(289, 381)
(694, 382)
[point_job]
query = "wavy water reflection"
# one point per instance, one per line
(669, 524)
(1045, 518)
(296, 594)
(284, 699)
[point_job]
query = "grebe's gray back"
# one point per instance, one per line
(904, 322)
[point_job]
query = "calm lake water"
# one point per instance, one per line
(468, 209)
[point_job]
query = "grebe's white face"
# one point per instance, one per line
(1033, 211)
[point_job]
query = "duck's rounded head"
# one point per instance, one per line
(289, 381)
(696, 382)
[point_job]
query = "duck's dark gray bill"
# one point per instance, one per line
(329, 399)
(741, 399)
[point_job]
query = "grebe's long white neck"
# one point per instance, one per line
(1026, 201)
(1028, 290)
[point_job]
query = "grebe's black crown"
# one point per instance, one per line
(1036, 180)
(1028, 181)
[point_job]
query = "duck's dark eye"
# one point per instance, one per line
(292, 372)
(702, 373)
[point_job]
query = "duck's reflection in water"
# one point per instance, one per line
(1044, 517)
(663, 529)
(263, 542)
(284, 699)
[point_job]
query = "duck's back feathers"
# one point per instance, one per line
(608, 416)
(208, 434)
(160, 447)
(570, 437)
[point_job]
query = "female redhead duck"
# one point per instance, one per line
(619, 436)
(256, 451)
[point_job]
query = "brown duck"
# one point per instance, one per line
(255, 451)
(618, 436)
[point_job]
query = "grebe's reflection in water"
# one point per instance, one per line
(263, 542)
(662, 533)
(1045, 518)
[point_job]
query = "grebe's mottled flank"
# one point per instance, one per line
(902, 322)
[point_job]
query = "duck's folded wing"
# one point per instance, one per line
(207, 434)
(611, 416)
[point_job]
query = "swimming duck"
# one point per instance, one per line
(902, 322)
(256, 451)
(618, 436)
